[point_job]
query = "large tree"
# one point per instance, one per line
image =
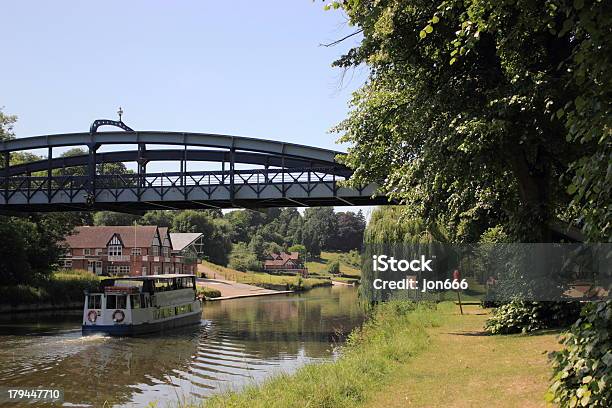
(483, 112)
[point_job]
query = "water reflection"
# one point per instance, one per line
(240, 341)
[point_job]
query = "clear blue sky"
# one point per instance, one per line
(252, 68)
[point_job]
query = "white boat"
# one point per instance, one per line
(142, 304)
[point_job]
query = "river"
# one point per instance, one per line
(239, 342)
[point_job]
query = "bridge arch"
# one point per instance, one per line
(289, 175)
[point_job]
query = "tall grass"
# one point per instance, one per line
(394, 333)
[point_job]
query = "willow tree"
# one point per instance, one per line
(485, 112)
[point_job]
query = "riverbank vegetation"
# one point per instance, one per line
(57, 289)
(402, 355)
(395, 333)
(209, 293)
(349, 264)
(265, 280)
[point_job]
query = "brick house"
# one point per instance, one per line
(124, 250)
(285, 262)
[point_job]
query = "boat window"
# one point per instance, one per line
(121, 302)
(135, 301)
(94, 302)
(162, 285)
(111, 301)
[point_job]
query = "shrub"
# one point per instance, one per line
(209, 292)
(333, 267)
(520, 316)
(22, 294)
(59, 288)
(582, 370)
(246, 263)
(352, 258)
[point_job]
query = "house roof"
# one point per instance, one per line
(282, 258)
(180, 240)
(140, 236)
(163, 233)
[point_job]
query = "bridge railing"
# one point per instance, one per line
(34, 184)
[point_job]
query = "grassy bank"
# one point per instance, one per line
(59, 288)
(463, 367)
(395, 334)
(415, 356)
(319, 266)
(265, 280)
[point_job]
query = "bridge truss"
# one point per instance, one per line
(281, 174)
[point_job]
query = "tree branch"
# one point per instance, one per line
(331, 44)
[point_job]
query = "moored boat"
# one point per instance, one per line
(144, 304)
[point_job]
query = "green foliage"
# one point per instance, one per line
(520, 316)
(301, 249)
(114, 218)
(333, 268)
(352, 258)
(243, 259)
(583, 369)
(319, 229)
(216, 232)
(6, 126)
(32, 245)
(60, 288)
(208, 292)
(463, 116)
(161, 218)
(256, 247)
(392, 225)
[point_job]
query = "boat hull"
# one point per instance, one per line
(143, 328)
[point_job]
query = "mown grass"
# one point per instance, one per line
(319, 266)
(267, 280)
(395, 333)
(464, 367)
(59, 288)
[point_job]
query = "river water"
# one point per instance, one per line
(239, 342)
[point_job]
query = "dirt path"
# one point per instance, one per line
(231, 289)
(465, 368)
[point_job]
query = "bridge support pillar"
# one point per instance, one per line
(91, 173)
(231, 173)
(49, 173)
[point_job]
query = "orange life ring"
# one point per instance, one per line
(92, 316)
(118, 316)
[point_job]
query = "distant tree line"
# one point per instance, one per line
(251, 234)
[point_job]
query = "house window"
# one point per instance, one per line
(115, 250)
(67, 263)
(124, 269)
(155, 250)
(87, 251)
(99, 266)
(165, 251)
(156, 269)
(98, 251)
(136, 251)
(144, 270)
(112, 269)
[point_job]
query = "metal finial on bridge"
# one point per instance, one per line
(120, 113)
